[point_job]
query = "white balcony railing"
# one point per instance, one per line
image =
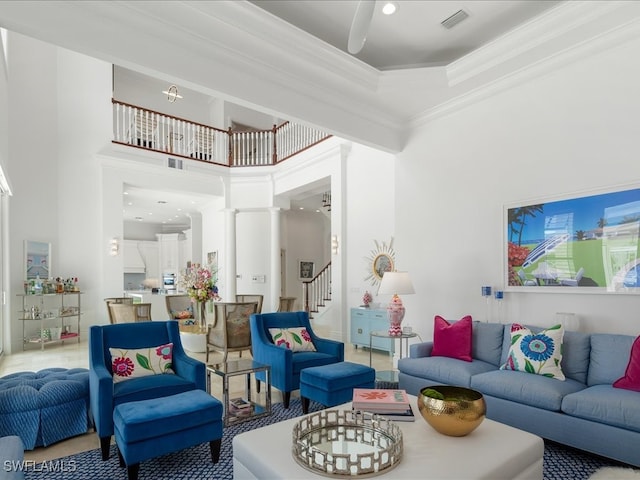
(150, 130)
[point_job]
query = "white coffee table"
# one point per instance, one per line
(492, 451)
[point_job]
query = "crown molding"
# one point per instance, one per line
(621, 26)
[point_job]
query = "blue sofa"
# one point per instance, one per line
(584, 411)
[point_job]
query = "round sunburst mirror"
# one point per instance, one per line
(381, 259)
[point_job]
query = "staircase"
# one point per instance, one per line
(317, 291)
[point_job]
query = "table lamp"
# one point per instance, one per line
(394, 283)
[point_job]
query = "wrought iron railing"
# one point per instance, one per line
(150, 130)
(317, 291)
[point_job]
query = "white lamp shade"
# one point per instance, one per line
(395, 283)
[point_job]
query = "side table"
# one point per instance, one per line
(390, 376)
(247, 367)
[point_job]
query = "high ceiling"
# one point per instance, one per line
(412, 36)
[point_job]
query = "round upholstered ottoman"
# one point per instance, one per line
(45, 407)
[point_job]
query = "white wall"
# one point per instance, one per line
(58, 121)
(570, 131)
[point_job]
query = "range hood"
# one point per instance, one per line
(133, 262)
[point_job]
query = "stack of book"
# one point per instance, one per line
(239, 407)
(393, 404)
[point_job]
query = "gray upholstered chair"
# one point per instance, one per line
(251, 298)
(230, 331)
(286, 304)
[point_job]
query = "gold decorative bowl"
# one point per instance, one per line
(454, 411)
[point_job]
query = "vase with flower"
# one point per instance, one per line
(200, 284)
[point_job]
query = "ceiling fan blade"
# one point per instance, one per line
(360, 25)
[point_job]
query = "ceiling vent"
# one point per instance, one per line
(175, 163)
(454, 19)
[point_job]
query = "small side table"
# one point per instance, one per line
(390, 376)
(241, 367)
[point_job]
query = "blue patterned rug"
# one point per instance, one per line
(560, 462)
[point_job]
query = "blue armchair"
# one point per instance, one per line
(105, 395)
(286, 364)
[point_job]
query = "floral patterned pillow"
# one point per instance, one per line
(296, 339)
(134, 363)
(539, 353)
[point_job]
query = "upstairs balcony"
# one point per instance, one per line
(154, 131)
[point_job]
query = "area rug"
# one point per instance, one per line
(560, 462)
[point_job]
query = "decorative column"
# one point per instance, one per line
(274, 267)
(229, 272)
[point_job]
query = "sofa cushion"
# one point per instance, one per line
(128, 363)
(521, 387)
(631, 379)
(538, 353)
(443, 370)
(452, 339)
(609, 357)
(605, 404)
(486, 343)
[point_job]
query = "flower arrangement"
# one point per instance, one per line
(200, 283)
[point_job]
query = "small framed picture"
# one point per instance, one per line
(306, 270)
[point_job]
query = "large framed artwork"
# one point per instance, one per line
(585, 244)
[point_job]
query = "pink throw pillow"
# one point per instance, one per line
(631, 379)
(452, 340)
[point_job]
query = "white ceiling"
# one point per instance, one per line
(413, 36)
(240, 52)
(171, 209)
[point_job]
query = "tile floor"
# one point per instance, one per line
(73, 354)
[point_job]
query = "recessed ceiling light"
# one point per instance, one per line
(130, 203)
(390, 8)
(301, 208)
(126, 193)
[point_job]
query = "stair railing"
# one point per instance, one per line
(317, 291)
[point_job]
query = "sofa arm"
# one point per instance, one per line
(101, 399)
(419, 350)
(191, 369)
(331, 347)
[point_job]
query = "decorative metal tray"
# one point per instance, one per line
(347, 443)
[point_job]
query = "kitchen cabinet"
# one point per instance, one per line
(151, 257)
(169, 246)
(367, 320)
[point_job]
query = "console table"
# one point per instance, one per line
(365, 320)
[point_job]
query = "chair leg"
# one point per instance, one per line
(214, 446)
(105, 444)
(286, 397)
(258, 385)
(207, 357)
(305, 405)
(132, 471)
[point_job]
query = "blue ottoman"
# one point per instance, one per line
(45, 407)
(155, 427)
(333, 384)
